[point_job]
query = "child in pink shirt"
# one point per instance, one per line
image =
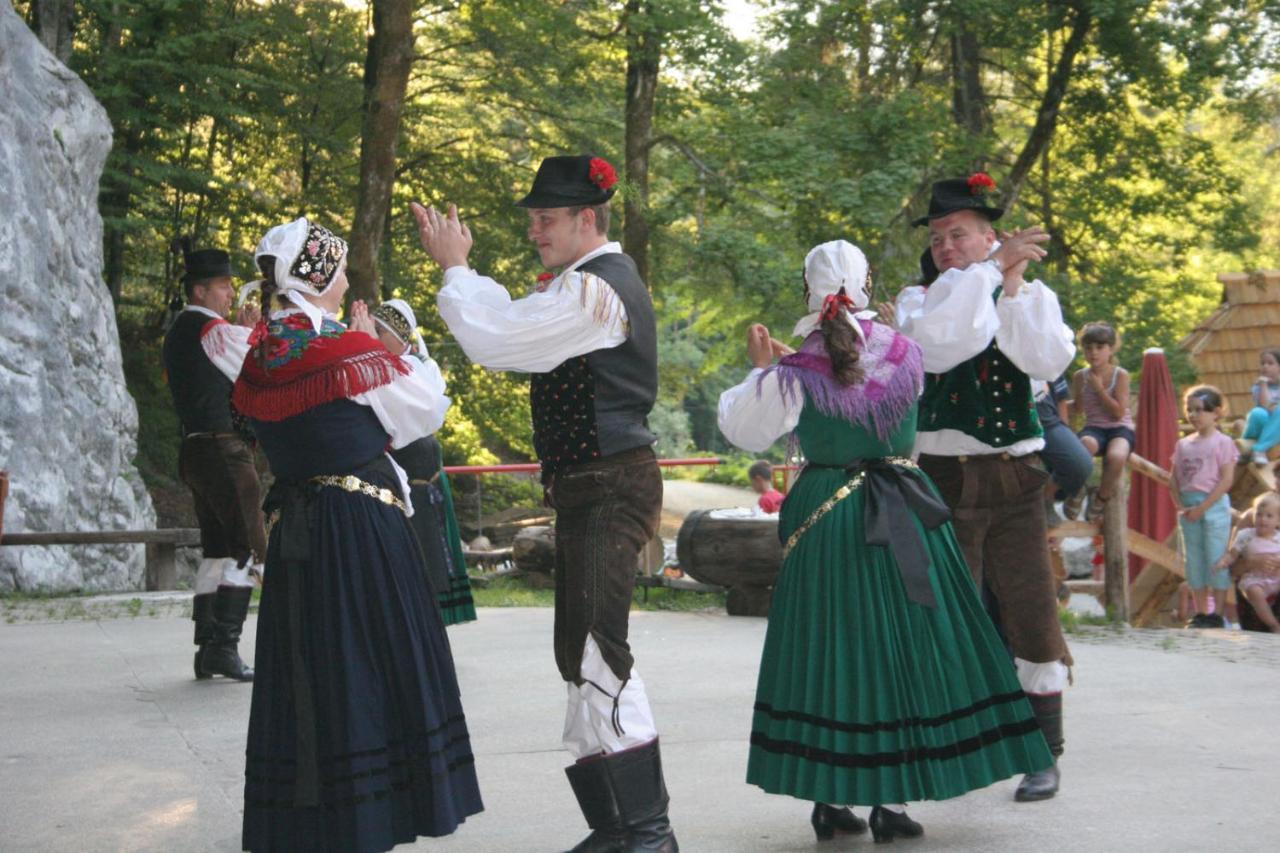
(1262, 538)
(1204, 465)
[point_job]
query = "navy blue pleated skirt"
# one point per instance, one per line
(357, 739)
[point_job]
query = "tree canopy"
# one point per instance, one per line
(1137, 131)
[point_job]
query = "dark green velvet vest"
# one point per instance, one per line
(986, 397)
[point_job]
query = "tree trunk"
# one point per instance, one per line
(386, 78)
(968, 99)
(1047, 116)
(644, 51)
(54, 22)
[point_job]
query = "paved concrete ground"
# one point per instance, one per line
(106, 743)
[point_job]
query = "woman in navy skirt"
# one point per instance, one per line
(357, 739)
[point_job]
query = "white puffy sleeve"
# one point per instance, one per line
(411, 406)
(577, 314)
(226, 345)
(754, 414)
(1032, 333)
(955, 318)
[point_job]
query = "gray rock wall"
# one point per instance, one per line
(68, 427)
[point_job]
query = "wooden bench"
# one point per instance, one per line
(162, 547)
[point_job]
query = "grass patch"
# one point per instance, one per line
(515, 592)
(1072, 621)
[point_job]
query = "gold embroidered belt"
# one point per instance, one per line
(897, 491)
(352, 483)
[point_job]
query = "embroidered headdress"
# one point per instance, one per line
(304, 259)
(398, 318)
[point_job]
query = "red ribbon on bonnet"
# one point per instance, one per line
(834, 303)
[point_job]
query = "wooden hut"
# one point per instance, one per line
(1225, 347)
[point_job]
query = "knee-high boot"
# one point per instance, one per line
(624, 798)
(222, 655)
(202, 615)
(1044, 784)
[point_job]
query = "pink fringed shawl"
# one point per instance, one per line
(893, 377)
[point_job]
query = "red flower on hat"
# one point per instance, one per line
(600, 173)
(980, 183)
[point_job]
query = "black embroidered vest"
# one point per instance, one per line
(598, 404)
(201, 393)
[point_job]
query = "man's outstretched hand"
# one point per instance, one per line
(445, 237)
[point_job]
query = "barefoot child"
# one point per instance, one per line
(1203, 469)
(1262, 538)
(1101, 392)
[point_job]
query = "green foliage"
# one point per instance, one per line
(231, 116)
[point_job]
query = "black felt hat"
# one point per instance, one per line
(206, 264)
(972, 193)
(571, 181)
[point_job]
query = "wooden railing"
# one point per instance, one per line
(1140, 602)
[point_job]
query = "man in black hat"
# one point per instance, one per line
(589, 339)
(986, 333)
(201, 349)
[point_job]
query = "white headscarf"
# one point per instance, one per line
(307, 259)
(828, 268)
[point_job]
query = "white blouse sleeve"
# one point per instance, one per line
(578, 314)
(1032, 333)
(956, 319)
(754, 414)
(411, 406)
(226, 345)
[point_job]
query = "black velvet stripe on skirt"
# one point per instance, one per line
(392, 755)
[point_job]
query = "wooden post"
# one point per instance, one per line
(162, 569)
(1115, 537)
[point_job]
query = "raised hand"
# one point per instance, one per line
(360, 321)
(248, 315)
(445, 236)
(759, 345)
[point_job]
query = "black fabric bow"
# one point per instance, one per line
(893, 494)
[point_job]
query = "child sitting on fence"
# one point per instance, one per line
(1262, 538)
(1203, 469)
(761, 475)
(1262, 428)
(1101, 392)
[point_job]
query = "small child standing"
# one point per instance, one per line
(1262, 538)
(1262, 428)
(1101, 392)
(1203, 469)
(761, 475)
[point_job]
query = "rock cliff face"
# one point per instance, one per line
(68, 427)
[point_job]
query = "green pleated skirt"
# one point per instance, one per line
(865, 697)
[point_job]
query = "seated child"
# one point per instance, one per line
(761, 475)
(1262, 538)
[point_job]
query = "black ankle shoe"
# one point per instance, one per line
(828, 820)
(887, 825)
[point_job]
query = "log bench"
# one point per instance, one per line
(162, 546)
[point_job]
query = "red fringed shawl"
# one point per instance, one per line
(305, 369)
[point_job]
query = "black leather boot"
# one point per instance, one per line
(590, 783)
(624, 799)
(887, 825)
(221, 655)
(1043, 784)
(828, 820)
(642, 799)
(202, 615)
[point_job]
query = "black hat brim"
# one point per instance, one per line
(991, 213)
(568, 197)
